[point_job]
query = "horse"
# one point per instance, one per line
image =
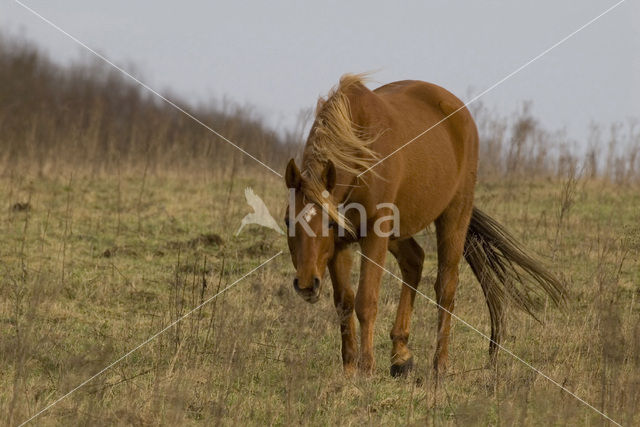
(362, 151)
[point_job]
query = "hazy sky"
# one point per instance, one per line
(280, 55)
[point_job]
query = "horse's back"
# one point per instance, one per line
(441, 162)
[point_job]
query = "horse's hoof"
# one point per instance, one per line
(402, 369)
(349, 370)
(440, 365)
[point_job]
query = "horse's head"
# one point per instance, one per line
(310, 232)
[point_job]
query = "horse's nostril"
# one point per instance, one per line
(316, 284)
(295, 284)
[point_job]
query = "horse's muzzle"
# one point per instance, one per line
(311, 293)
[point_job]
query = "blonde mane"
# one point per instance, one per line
(336, 138)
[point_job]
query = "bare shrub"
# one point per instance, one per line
(90, 117)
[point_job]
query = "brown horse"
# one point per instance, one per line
(432, 179)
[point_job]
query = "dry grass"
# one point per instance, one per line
(92, 267)
(117, 218)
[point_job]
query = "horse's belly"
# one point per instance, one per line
(427, 189)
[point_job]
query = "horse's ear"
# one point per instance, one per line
(292, 176)
(329, 175)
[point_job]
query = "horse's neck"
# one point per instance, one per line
(345, 188)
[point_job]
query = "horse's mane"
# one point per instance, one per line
(335, 137)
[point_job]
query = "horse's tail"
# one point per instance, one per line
(506, 272)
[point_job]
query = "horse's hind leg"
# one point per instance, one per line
(451, 231)
(410, 257)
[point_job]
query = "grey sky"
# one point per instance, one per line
(280, 55)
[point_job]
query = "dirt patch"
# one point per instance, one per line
(196, 268)
(203, 240)
(120, 250)
(21, 207)
(260, 248)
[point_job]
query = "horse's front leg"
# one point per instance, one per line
(374, 249)
(340, 271)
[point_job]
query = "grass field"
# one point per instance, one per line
(93, 265)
